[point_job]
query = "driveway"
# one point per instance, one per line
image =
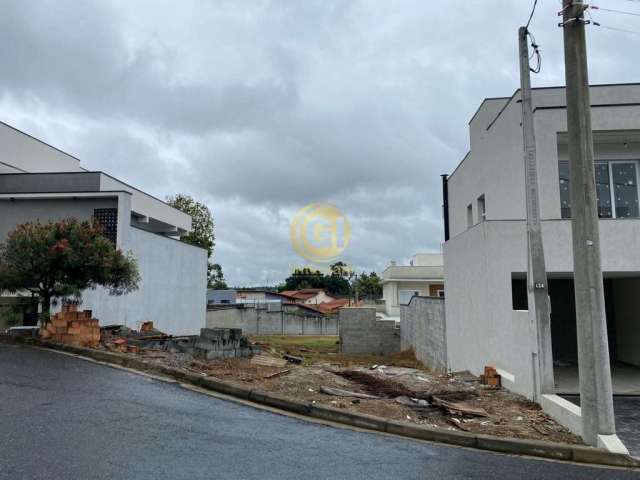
(62, 417)
(627, 410)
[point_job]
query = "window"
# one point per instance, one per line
(625, 188)
(565, 191)
(616, 189)
(469, 216)
(482, 212)
(519, 296)
(107, 218)
(441, 293)
(405, 296)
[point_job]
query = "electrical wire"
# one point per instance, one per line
(624, 12)
(534, 45)
(624, 30)
(607, 27)
(533, 10)
(536, 53)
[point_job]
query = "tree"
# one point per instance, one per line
(336, 283)
(61, 259)
(368, 286)
(201, 234)
(216, 278)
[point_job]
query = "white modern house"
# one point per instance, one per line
(485, 256)
(424, 276)
(40, 183)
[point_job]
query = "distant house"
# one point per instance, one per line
(259, 296)
(333, 306)
(221, 297)
(308, 296)
(424, 276)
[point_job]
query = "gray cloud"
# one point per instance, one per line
(260, 107)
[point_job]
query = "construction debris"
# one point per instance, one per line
(277, 374)
(412, 402)
(377, 385)
(212, 343)
(399, 391)
(490, 377)
(459, 407)
(293, 359)
(337, 392)
(72, 327)
(267, 361)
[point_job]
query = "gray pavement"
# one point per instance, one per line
(627, 411)
(62, 417)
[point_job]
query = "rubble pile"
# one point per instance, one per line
(72, 327)
(211, 344)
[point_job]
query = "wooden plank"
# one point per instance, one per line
(266, 361)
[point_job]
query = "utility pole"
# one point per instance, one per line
(596, 398)
(536, 270)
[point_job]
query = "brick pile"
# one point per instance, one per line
(72, 327)
(490, 377)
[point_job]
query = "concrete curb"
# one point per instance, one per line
(533, 448)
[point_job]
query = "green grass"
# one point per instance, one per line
(315, 344)
(325, 349)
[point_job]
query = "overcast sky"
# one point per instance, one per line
(258, 108)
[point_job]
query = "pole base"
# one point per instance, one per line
(612, 444)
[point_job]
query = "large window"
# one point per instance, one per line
(616, 189)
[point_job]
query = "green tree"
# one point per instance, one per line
(369, 286)
(201, 234)
(216, 278)
(58, 260)
(336, 283)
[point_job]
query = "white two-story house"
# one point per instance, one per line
(485, 256)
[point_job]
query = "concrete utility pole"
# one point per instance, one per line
(596, 399)
(536, 271)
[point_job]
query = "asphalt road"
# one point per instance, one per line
(65, 418)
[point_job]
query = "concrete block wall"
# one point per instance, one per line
(361, 333)
(423, 329)
(257, 321)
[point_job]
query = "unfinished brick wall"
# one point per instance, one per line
(361, 333)
(72, 327)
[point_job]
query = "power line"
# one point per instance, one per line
(634, 32)
(624, 12)
(534, 45)
(533, 10)
(607, 27)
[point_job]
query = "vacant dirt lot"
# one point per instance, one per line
(403, 389)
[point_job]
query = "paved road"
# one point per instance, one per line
(65, 418)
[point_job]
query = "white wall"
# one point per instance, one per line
(172, 292)
(495, 166)
(482, 328)
(27, 154)
(427, 260)
(146, 205)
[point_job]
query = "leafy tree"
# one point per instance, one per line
(201, 234)
(216, 278)
(368, 286)
(61, 259)
(335, 283)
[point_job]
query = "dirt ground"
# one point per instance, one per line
(406, 391)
